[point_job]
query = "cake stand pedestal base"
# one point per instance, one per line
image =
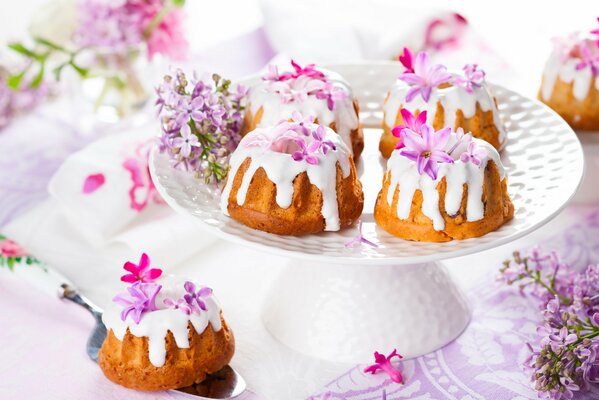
(346, 312)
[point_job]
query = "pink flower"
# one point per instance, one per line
(168, 38)
(474, 154)
(93, 182)
(306, 152)
(309, 71)
(139, 299)
(588, 59)
(425, 77)
(407, 60)
(596, 32)
(141, 180)
(9, 248)
(141, 272)
(412, 123)
(332, 94)
(272, 74)
(384, 363)
(427, 150)
(473, 79)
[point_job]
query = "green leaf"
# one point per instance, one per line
(10, 262)
(14, 81)
(2, 237)
(49, 44)
(37, 81)
(19, 48)
(83, 72)
(58, 70)
(178, 3)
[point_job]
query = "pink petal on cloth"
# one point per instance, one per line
(93, 182)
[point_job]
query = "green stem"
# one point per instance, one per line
(147, 33)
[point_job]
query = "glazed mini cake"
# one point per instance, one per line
(442, 186)
(295, 178)
(570, 83)
(164, 334)
(322, 94)
(458, 100)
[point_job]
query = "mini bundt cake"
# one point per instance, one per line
(322, 94)
(164, 335)
(295, 178)
(451, 100)
(442, 186)
(570, 83)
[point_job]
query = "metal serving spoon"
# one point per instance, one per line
(224, 384)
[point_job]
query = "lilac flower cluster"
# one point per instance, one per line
(566, 359)
(193, 301)
(420, 143)
(423, 75)
(201, 123)
(19, 100)
(303, 82)
(296, 137)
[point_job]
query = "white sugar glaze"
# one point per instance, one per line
(281, 169)
(452, 98)
(274, 110)
(403, 172)
(156, 324)
(581, 80)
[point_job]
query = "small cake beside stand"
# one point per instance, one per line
(339, 304)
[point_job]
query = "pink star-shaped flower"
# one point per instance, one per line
(411, 122)
(427, 150)
(384, 363)
(425, 77)
(141, 272)
(407, 60)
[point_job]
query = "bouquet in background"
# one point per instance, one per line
(201, 123)
(100, 39)
(566, 358)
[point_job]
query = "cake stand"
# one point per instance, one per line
(341, 304)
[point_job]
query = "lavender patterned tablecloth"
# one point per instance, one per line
(42, 359)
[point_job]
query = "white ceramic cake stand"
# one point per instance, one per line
(341, 304)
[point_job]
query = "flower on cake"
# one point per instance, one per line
(411, 122)
(382, 362)
(141, 272)
(139, 299)
(425, 77)
(303, 82)
(474, 154)
(195, 297)
(588, 58)
(473, 78)
(179, 304)
(426, 150)
(595, 32)
(407, 60)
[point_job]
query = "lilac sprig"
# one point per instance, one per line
(201, 123)
(566, 358)
(473, 78)
(192, 302)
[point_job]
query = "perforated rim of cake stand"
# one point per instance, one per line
(543, 159)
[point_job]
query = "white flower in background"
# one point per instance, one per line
(55, 21)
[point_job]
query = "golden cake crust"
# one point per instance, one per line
(261, 211)
(127, 362)
(250, 122)
(581, 115)
(498, 209)
(482, 126)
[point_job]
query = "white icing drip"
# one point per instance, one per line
(566, 71)
(281, 169)
(156, 324)
(452, 98)
(274, 110)
(403, 172)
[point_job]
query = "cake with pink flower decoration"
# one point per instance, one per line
(442, 185)
(294, 178)
(163, 333)
(319, 93)
(570, 83)
(453, 100)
